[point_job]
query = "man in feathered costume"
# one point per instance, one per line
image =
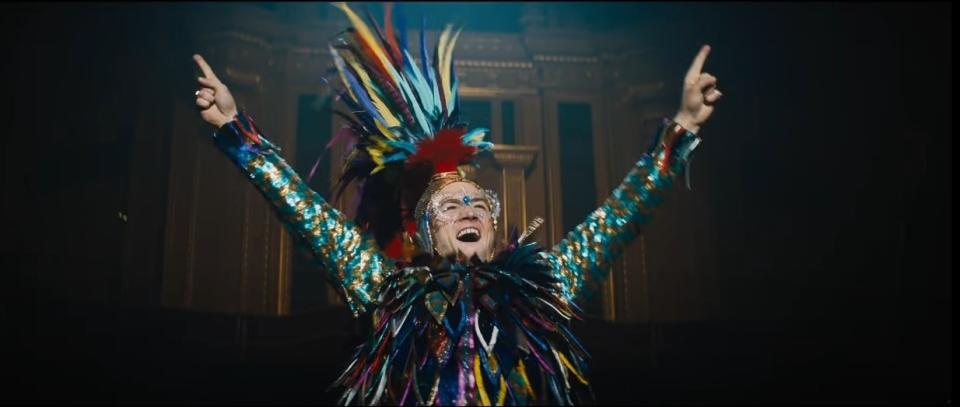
(457, 318)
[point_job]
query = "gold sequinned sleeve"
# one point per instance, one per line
(351, 260)
(582, 259)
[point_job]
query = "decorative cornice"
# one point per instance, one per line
(515, 156)
(566, 58)
(232, 34)
(489, 91)
(243, 78)
(477, 63)
(641, 92)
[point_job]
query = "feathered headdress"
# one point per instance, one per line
(405, 124)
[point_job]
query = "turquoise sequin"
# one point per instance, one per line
(353, 262)
(582, 259)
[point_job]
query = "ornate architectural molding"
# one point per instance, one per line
(515, 156)
(243, 78)
(496, 92)
(576, 59)
(234, 35)
(642, 92)
(475, 63)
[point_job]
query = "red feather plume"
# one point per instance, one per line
(445, 151)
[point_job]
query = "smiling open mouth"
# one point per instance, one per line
(469, 235)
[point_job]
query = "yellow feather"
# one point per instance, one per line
(563, 359)
(375, 154)
(377, 157)
(364, 33)
(484, 399)
(447, 61)
(444, 68)
(381, 143)
(448, 58)
(503, 392)
(383, 130)
(392, 120)
(477, 137)
(492, 360)
(346, 84)
(526, 381)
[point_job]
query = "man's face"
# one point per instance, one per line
(462, 220)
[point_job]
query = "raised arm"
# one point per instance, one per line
(582, 259)
(351, 260)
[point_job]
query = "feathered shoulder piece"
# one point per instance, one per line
(405, 123)
(503, 325)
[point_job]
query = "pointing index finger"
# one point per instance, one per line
(697, 65)
(207, 72)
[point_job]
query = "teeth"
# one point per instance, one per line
(468, 230)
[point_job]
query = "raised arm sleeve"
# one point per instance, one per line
(351, 260)
(582, 259)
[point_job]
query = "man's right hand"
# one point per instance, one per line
(216, 104)
(700, 93)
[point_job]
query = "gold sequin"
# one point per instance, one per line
(336, 242)
(586, 252)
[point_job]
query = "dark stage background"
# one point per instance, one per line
(828, 166)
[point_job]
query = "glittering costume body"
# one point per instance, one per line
(463, 332)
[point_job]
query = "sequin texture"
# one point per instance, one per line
(448, 332)
(353, 262)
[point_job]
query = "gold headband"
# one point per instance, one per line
(437, 182)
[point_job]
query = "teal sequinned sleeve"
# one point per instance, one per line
(582, 259)
(352, 261)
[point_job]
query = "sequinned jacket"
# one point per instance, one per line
(352, 260)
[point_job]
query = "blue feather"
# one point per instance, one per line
(453, 88)
(407, 95)
(572, 338)
(403, 145)
(358, 90)
(422, 91)
(555, 390)
(468, 136)
(428, 72)
(397, 156)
